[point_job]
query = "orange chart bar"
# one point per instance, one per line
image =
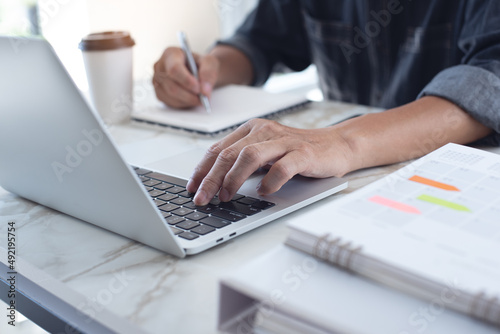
(394, 204)
(432, 183)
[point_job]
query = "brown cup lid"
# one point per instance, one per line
(108, 40)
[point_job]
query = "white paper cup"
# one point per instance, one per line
(108, 64)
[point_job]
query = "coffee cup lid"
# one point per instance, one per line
(108, 40)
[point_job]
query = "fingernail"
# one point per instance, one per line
(259, 189)
(207, 88)
(201, 197)
(224, 195)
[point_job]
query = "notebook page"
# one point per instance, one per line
(231, 105)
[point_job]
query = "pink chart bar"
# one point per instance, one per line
(394, 204)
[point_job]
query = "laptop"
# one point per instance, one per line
(56, 151)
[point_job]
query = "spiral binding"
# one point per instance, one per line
(336, 252)
(480, 300)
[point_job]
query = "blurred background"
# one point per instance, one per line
(152, 23)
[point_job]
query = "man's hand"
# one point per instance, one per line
(176, 86)
(259, 143)
(394, 135)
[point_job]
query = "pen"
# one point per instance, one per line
(192, 66)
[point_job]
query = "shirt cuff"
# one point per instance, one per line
(261, 67)
(475, 90)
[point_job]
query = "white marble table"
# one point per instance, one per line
(97, 281)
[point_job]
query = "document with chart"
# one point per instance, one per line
(431, 228)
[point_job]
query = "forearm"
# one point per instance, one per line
(408, 132)
(234, 66)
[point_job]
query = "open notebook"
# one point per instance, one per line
(432, 229)
(232, 106)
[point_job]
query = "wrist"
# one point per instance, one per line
(350, 140)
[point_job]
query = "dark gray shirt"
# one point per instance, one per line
(384, 53)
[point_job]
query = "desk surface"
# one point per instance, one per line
(89, 277)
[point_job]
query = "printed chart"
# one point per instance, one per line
(457, 189)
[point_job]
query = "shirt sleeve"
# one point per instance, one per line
(273, 34)
(474, 85)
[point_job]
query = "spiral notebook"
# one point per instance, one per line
(232, 106)
(431, 229)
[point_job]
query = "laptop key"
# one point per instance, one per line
(215, 201)
(187, 224)
(151, 183)
(228, 215)
(238, 207)
(159, 202)
(167, 197)
(263, 205)
(182, 211)
(196, 216)
(142, 171)
(176, 230)
(180, 200)
(247, 200)
(237, 197)
(168, 207)
(207, 208)
(203, 229)
(188, 235)
(190, 205)
(173, 220)
(156, 193)
(186, 194)
(163, 186)
(215, 222)
(176, 189)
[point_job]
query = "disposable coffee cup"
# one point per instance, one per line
(108, 63)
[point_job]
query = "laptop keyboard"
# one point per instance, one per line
(187, 220)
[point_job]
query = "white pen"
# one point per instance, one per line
(192, 66)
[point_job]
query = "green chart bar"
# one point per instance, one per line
(442, 202)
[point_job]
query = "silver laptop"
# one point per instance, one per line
(54, 150)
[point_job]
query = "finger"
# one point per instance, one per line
(208, 68)
(172, 94)
(206, 164)
(282, 171)
(251, 158)
(176, 69)
(246, 156)
(218, 166)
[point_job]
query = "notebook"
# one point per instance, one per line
(232, 106)
(55, 150)
(432, 229)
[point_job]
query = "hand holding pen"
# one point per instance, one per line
(192, 67)
(175, 83)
